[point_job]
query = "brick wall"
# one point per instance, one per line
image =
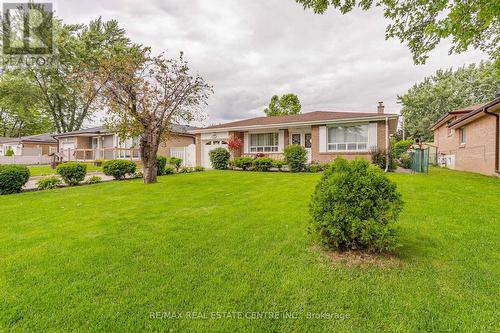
(173, 142)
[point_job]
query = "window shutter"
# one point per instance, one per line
(246, 143)
(322, 139)
(372, 136)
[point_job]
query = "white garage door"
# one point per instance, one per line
(208, 147)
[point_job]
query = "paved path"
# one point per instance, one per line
(31, 184)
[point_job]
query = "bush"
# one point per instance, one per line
(176, 162)
(93, 180)
(48, 183)
(161, 162)
(354, 207)
(314, 168)
(277, 164)
(263, 164)
(9, 152)
(169, 170)
(118, 169)
(72, 173)
(185, 170)
(401, 147)
(405, 161)
(13, 178)
(219, 157)
(295, 157)
(243, 162)
(199, 168)
(379, 157)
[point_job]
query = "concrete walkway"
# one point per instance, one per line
(31, 184)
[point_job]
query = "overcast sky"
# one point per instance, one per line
(251, 49)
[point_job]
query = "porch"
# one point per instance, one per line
(101, 154)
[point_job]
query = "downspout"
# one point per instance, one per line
(387, 144)
(497, 139)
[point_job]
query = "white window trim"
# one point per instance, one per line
(250, 147)
(462, 137)
(368, 143)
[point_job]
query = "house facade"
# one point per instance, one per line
(324, 134)
(99, 143)
(468, 138)
(32, 145)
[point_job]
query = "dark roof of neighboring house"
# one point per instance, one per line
(39, 138)
(466, 112)
(300, 118)
(180, 129)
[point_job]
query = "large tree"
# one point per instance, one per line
(146, 94)
(445, 91)
(422, 24)
(66, 88)
(284, 105)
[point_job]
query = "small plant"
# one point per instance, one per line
(9, 152)
(278, 164)
(401, 147)
(259, 155)
(176, 162)
(199, 168)
(118, 169)
(295, 157)
(169, 170)
(314, 168)
(262, 164)
(219, 157)
(243, 162)
(379, 158)
(185, 169)
(72, 173)
(48, 183)
(13, 178)
(405, 161)
(354, 207)
(161, 162)
(234, 144)
(93, 180)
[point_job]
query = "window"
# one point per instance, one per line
(462, 135)
(295, 139)
(307, 139)
(348, 138)
(264, 142)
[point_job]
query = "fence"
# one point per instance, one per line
(187, 154)
(26, 160)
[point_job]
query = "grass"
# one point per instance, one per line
(46, 170)
(104, 257)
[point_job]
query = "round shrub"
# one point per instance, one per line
(219, 157)
(277, 164)
(161, 162)
(295, 157)
(402, 147)
(118, 169)
(48, 183)
(93, 180)
(9, 152)
(314, 168)
(354, 207)
(72, 173)
(169, 170)
(243, 162)
(176, 162)
(13, 178)
(263, 163)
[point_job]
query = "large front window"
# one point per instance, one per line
(348, 138)
(263, 142)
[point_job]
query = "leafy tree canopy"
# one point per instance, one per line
(423, 24)
(445, 91)
(287, 104)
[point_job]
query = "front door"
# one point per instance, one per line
(95, 146)
(303, 139)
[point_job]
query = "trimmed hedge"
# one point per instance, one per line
(72, 173)
(219, 157)
(118, 169)
(13, 178)
(295, 157)
(354, 207)
(263, 163)
(161, 162)
(243, 162)
(278, 164)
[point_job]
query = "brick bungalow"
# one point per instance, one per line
(468, 138)
(32, 145)
(324, 134)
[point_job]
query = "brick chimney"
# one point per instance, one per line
(380, 107)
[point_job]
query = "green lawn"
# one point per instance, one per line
(46, 170)
(103, 257)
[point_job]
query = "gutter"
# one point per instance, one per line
(497, 139)
(387, 144)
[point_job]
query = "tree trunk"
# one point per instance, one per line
(150, 141)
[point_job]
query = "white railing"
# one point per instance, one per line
(348, 146)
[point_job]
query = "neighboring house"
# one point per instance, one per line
(31, 145)
(468, 138)
(99, 143)
(324, 134)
